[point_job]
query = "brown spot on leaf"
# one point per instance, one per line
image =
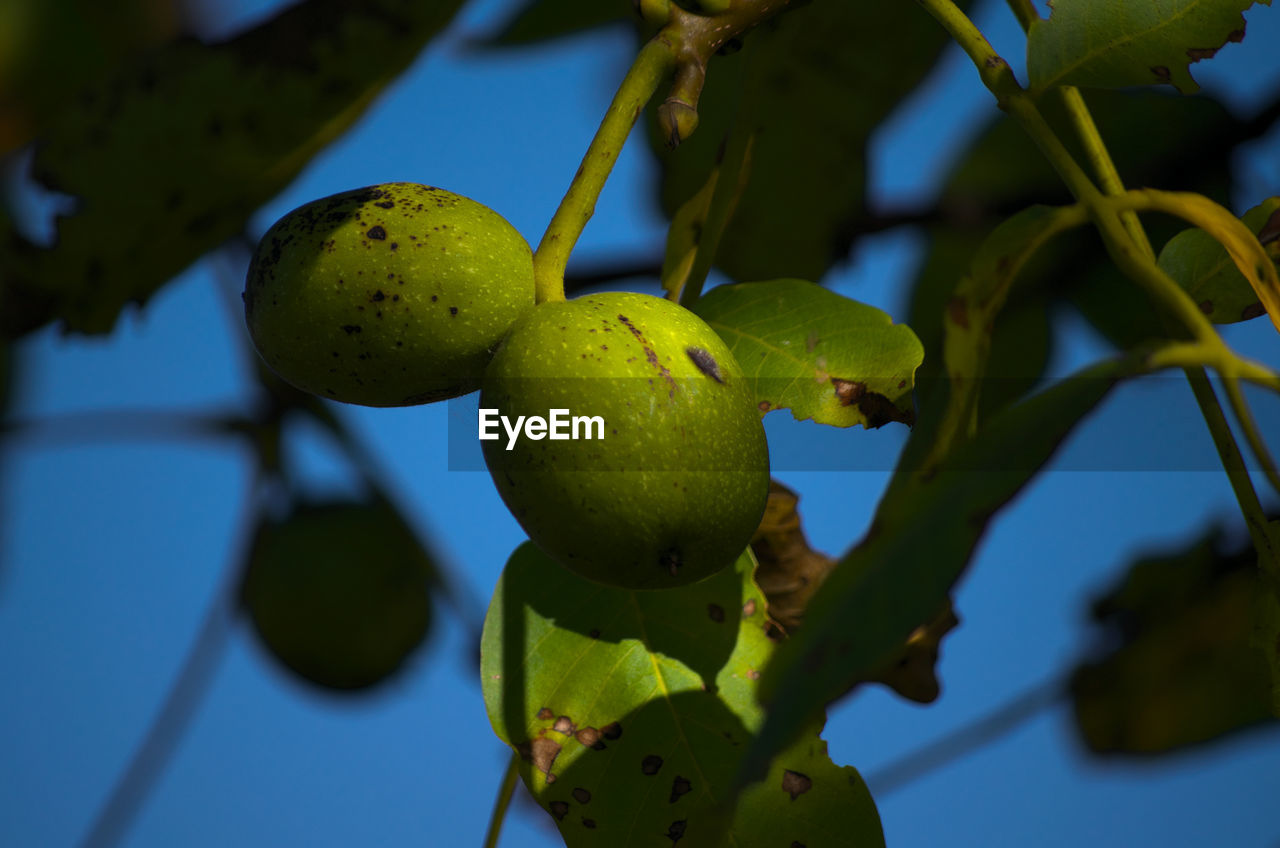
(764, 406)
(351, 328)
(795, 843)
(752, 674)
(612, 731)
(1197, 54)
(795, 784)
(589, 824)
(559, 809)
(958, 312)
(715, 612)
(1271, 229)
(545, 714)
(582, 796)
(589, 737)
(594, 634)
(1236, 36)
(679, 786)
(651, 764)
(543, 752)
(1251, 311)
(676, 831)
(749, 608)
(848, 391)
(564, 725)
(1206, 306)
(1161, 72)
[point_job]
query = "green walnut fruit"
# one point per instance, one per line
(672, 481)
(389, 295)
(340, 593)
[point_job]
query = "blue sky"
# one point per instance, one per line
(112, 549)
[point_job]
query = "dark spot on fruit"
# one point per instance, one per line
(394, 245)
(671, 560)
(679, 787)
(612, 731)
(581, 795)
(705, 362)
(377, 232)
(545, 714)
(453, 310)
(559, 809)
(764, 406)
(716, 612)
(651, 764)
(795, 784)
(677, 830)
(378, 296)
(386, 204)
(434, 298)
(351, 328)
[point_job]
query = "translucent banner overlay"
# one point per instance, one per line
(1144, 424)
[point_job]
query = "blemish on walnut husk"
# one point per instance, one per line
(679, 786)
(671, 561)
(795, 784)
(715, 612)
(559, 809)
(651, 764)
(705, 362)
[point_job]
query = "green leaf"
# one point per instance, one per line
(630, 708)
(1180, 668)
(168, 158)
(1200, 264)
(919, 543)
(1111, 44)
(49, 49)
(817, 353)
(544, 20)
(812, 84)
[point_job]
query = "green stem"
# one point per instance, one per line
(1103, 166)
(1244, 415)
(503, 802)
(724, 198)
(1024, 12)
(1232, 462)
(652, 65)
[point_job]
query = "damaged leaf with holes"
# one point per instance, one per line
(168, 157)
(1113, 45)
(629, 710)
(817, 353)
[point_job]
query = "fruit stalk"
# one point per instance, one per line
(652, 65)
